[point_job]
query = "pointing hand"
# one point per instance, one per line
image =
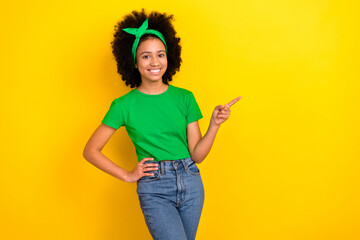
(222, 112)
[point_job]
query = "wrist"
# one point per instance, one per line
(126, 177)
(213, 125)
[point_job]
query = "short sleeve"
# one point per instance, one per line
(193, 113)
(114, 117)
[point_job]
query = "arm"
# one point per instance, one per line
(199, 146)
(92, 153)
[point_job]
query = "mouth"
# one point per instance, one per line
(154, 70)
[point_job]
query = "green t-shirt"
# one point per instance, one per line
(156, 124)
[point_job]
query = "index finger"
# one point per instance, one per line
(145, 160)
(233, 101)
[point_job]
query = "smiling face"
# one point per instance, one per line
(151, 60)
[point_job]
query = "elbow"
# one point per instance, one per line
(197, 159)
(87, 153)
(90, 152)
(196, 156)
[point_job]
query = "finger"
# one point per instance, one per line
(233, 101)
(145, 168)
(225, 111)
(223, 116)
(145, 159)
(149, 174)
(150, 165)
(219, 107)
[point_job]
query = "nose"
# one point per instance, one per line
(155, 62)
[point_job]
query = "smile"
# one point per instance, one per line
(154, 70)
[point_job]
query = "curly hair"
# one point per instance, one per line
(122, 44)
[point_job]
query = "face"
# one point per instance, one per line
(151, 60)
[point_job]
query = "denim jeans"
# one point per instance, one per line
(172, 200)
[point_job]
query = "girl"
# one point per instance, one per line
(162, 121)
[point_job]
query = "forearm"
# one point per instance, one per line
(100, 161)
(203, 146)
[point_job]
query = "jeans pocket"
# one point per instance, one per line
(193, 169)
(146, 179)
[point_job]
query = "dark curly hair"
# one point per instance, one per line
(122, 45)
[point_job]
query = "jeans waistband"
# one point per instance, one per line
(172, 164)
(178, 161)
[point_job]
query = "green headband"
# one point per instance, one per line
(139, 32)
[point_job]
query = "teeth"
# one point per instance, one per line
(155, 71)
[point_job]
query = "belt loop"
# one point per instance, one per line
(183, 163)
(162, 169)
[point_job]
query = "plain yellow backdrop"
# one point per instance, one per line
(285, 165)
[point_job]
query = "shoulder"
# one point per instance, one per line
(125, 98)
(121, 103)
(180, 91)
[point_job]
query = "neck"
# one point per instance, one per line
(152, 87)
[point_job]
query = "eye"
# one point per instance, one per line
(161, 55)
(146, 57)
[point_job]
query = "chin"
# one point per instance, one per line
(155, 79)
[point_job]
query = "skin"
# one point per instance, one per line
(151, 55)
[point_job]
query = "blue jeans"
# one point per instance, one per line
(172, 200)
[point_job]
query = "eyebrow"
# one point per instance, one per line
(151, 52)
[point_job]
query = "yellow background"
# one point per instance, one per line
(285, 165)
